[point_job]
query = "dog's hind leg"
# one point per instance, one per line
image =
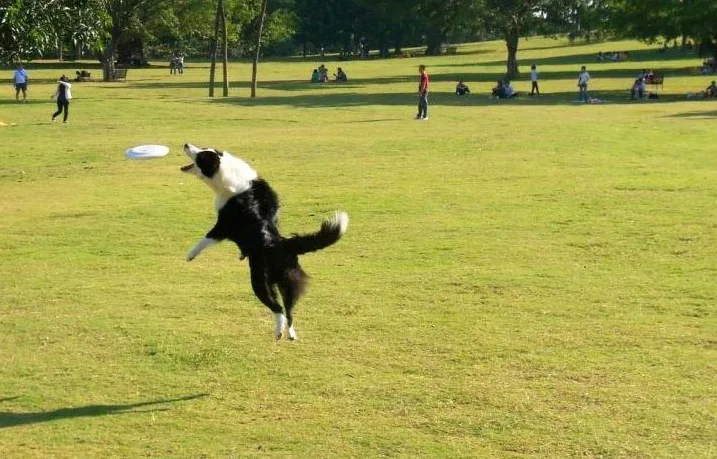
(289, 302)
(265, 293)
(291, 288)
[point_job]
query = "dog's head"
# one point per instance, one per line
(224, 173)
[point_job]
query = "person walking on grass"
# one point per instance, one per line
(62, 95)
(423, 93)
(19, 79)
(534, 80)
(583, 79)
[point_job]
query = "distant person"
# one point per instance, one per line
(534, 80)
(315, 76)
(711, 90)
(323, 74)
(583, 79)
(423, 85)
(62, 96)
(173, 65)
(180, 63)
(638, 88)
(20, 80)
(508, 91)
(498, 91)
(462, 89)
(341, 76)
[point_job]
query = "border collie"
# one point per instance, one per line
(247, 209)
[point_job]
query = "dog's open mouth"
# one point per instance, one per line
(187, 168)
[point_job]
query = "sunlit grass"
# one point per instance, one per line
(523, 278)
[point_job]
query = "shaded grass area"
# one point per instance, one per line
(531, 278)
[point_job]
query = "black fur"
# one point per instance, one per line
(208, 162)
(249, 219)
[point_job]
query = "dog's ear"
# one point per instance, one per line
(208, 162)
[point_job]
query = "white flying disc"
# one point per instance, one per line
(146, 152)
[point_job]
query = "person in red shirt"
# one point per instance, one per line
(423, 94)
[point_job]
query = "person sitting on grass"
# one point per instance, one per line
(462, 89)
(341, 76)
(498, 91)
(711, 91)
(508, 91)
(323, 74)
(315, 76)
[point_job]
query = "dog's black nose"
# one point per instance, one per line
(186, 145)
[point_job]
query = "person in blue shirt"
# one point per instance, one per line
(20, 79)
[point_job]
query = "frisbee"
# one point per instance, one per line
(146, 152)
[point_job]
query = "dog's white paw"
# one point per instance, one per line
(292, 334)
(280, 325)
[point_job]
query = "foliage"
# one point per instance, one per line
(651, 19)
(28, 27)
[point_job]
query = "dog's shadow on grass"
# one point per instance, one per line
(10, 419)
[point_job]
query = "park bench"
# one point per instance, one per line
(120, 74)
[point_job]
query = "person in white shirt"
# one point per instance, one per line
(534, 80)
(19, 79)
(583, 79)
(62, 95)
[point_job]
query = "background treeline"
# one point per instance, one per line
(131, 32)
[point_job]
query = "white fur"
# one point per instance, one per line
(292, 333)
(340, 220)
(280, 324)
(201, 245)
(234, 175)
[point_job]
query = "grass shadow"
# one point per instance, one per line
(590, 59)
(696, 115)
(626, 73)
(346, 100)
(10, 419)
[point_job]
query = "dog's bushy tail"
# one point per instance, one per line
(331, 231)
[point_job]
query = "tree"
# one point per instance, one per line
(513, 18)
(28, 27)
(668, 19)
(255, 63)
(439, 17)
(122, 15)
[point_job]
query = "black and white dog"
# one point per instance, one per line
(247, 210)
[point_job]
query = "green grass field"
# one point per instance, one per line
(530, 278)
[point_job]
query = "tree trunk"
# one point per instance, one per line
(511, 42)
(255, 64)
(108, 61)
(213, 52)
(225, 52)
(434, 44)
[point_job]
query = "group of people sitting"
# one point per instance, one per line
(503, 90)
(321, 75)
(708, 67)
(83, 75)
(613, 56)
(637, 91)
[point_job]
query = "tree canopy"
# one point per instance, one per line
(119, 29)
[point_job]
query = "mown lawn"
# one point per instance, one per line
(531, 278)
